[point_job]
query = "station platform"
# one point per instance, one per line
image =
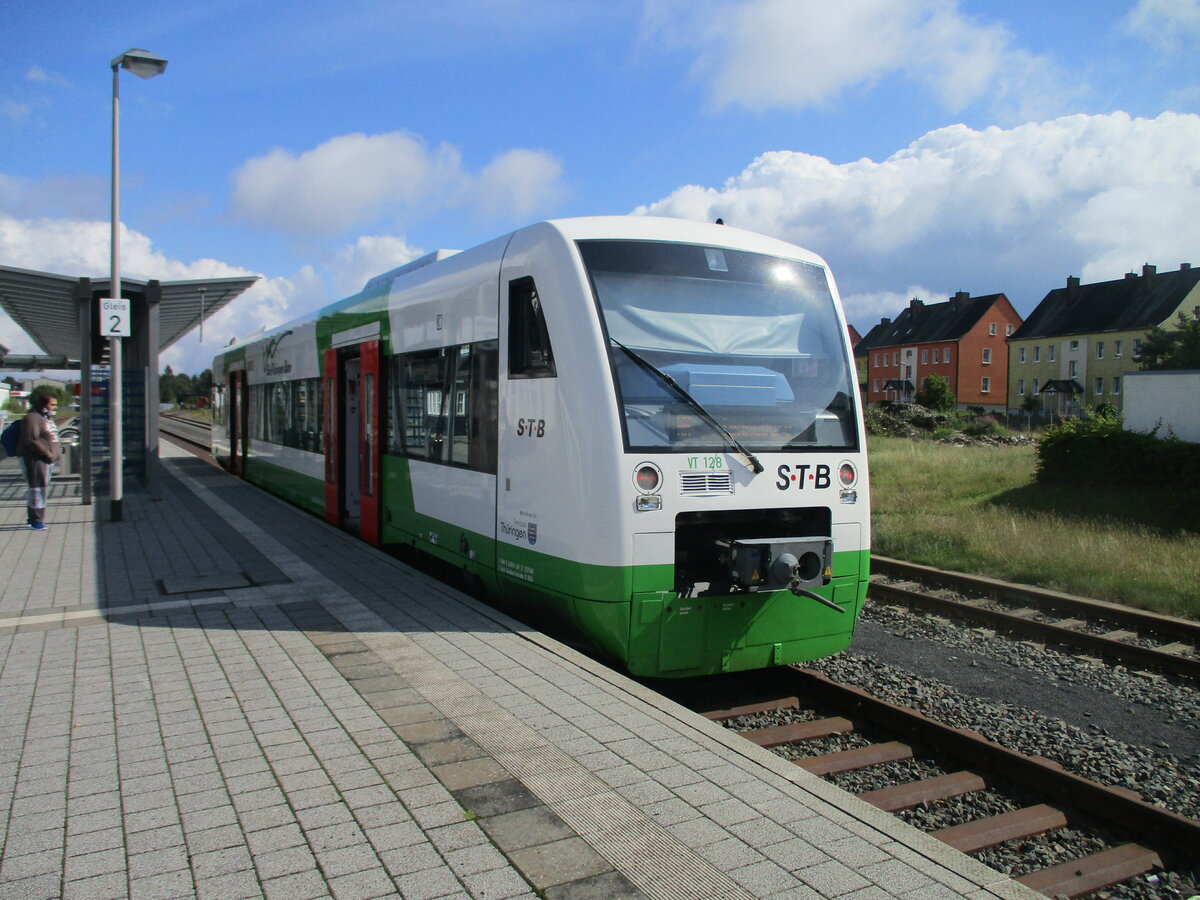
(224, 697)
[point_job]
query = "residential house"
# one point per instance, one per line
(962, 339)
(1076, 347)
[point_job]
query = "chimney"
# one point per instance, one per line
(1183, 267)
(915, 306)
(1072, 288)
(1147, 284)
(885, 321)
(1131, 276)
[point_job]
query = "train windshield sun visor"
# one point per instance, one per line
(752, 461)
(693, 315)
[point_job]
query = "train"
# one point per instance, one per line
(645, 430)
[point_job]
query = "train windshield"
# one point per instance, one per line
(753, 339)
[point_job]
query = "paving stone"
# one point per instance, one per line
(525, 828)
(427, 884)
(301, 886)
(109, 886)
(570, 859)
(605, 886)
(496, 798)
(284, 861)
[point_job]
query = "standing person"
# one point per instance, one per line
(38, 449)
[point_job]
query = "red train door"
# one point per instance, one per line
(353, 404)
(370, 406)
(333, 500)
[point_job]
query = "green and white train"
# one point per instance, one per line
(648, 428)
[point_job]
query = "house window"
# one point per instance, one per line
(1035, 385)
(1116, 385)
(987, 356)
(924, 357)
(896, 358)
(1137, 348)
(1099, 349)
(1074, 345)
(875, 386)
(1009, 329)
(1021, 355)
(1021, 387)
(1037, 354)
(1072, 369)
(985, 385)
(946, 355)
(1118, 349)
(876, 362)
(991, 328)
(936, 355)
(1053, 352)
(1099, 386)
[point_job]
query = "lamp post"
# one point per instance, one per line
(143, 65)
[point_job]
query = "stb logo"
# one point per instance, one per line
(532, 533)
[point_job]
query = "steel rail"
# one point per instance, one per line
(1043, 599)
(1134, 654)
(188, 430)
(1112, 647)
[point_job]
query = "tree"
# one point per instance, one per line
(935, 393)
(166, 386)
(1175, 349)
(202, 383)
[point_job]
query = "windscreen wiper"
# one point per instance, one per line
(751, 461)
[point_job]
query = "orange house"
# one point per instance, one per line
(963, 339)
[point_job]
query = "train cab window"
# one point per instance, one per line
(529, 352)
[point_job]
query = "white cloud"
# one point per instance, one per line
(868, 308)
(996, 210)
(371, 255)
(15, 111)
(76, 247)
(358, 179)
(519, 182)
(270, 302)
(761, 54)
(1165, 24)
(41, 76)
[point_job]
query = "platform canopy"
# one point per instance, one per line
(46, 306)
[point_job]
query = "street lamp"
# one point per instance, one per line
(143, 65)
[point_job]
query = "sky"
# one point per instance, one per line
(922, 147)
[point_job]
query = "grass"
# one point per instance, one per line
(978, 509)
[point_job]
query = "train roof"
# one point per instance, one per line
(629, 227)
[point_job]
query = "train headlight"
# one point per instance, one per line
(847, 474)
(647, 478)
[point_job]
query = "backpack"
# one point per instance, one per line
(10, 436)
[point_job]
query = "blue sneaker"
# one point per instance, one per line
(38, 526)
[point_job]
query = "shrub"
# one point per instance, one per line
(935, 393)
(1095, 450)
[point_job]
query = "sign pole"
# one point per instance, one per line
(116, 488)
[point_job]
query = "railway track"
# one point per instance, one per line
(193, 432)
(1132, 637)
(925, 768)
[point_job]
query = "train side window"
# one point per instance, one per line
(442, 406)
(420, 394)
(529, 352)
